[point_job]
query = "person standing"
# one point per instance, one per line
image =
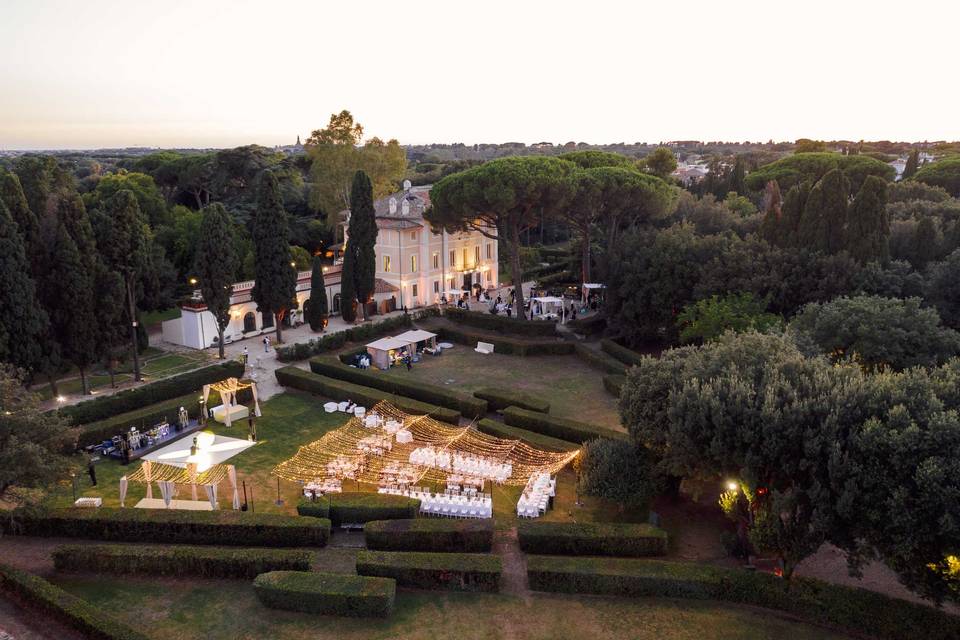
(92, 470)
(266, 344)
(409, 360)
(246, 356)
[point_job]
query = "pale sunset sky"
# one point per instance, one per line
(220, 73)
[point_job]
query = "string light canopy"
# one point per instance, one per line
(230, 385)
(159, 472)
(366, 454)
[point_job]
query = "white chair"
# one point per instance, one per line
(359, 411)
(486, 348)
(331, 407)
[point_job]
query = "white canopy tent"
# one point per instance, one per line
(547, 307)
(381, 350)
(228, 390)
(416, 336)
(168, 478)
(591, 287)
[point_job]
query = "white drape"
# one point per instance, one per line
(232, 473)
(147, 470)
(206, 394)
(192, 470)
(256, 403)
(123, 490)
(211, 494)
(226, 398)
(166, 490)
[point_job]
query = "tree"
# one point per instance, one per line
(348, 291)
(24, 325)
(708, 319)
(151, 201)
(810, 167)
(617, 470)
(926, 242)
(71, 305)
(363, 239)
(124, 248)
(276, 279)
(500, 199)
(32, 440)
(11, 194)
(316, 311)
(944, 173)
(806, 145)
(661, 162)
(216, 266)
(878, 332)
(42, 180)
(739, 205)
(300, 258)
(824, 220)
(913, 163)
(868, 227)
(942, 291)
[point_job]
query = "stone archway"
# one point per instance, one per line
(249, 322)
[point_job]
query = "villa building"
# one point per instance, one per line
(415, 267)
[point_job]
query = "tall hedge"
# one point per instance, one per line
(589, 326)
(498, 399)
(223, 527)
(339, 390)
(507, 345)
(599, 360)
(332, 594)
(460, 401)
(612, 384)
(856, 610)
(90, 621)
(450, 571)
(501, 324)
(361, 507)
(430, 534)
(178, 561)
(592, 538)
(561, 428)
(152, 393)
(536, 440)
(626, 356)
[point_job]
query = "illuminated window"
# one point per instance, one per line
(453, 258)
(414, 289)
(436, 260)
(413, 235)
(476, 254)
(413, 263)
(489, 251)
(466, 259)
(386, 264)
(436, 286)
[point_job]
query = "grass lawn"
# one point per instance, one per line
(573, 389)
(227, 610)
(156, 317)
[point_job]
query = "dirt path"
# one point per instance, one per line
(514, 577)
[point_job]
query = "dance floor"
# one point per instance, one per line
(189, 505)
(221, 449)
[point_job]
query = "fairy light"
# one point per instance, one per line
(312, 460)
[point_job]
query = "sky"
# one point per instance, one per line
(222, 73)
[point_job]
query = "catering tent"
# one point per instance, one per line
(590, 288)
(416, 336)
(546, 307)
(383, 349)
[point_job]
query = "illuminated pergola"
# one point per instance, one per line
(349, 448)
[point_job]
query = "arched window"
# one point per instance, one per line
(336, 303)
(267, 320)
(249, 322)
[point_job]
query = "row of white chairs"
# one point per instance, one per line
(449, 506)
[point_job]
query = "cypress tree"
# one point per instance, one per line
(363, 238)
(71, 305)
(824, 220)
(317, 305)
(24, 320)
(868, 231)
(216, 265)
(348, 291)
(926, 240)
(276, 279)
(737, 177)
(913, 163)
(794, 204)
(772, 225)
(11, 193)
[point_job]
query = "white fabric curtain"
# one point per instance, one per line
(206, 394)
(256, 403)
(166, 490)
(123, 490)
(227, 398)
(147, 471)
(232, 473)
(211, 494)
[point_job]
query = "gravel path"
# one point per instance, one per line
(514, 578)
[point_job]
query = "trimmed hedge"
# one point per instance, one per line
(361, 507)
(466, 404)
(561, 428)
(498, 399)
(152, 393)
(592, 539)
(501, 324)
(340, 390)
(505, 345)
(178, 561)
(621, 353)
(857, 610)
(594, 325)
(90, 621)
(613, 384)
(335, 341)
(430, 534)
(561, 277)
(536, 273)
(97, 432)
(326, 593)
(176, 526)
(319, 508)
(600, 360)
(537, 440)
(450, 571)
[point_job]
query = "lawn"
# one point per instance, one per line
(573, 389)
(228, 610)
(150, 318)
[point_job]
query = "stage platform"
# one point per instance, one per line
(186, 505)
(192, 427)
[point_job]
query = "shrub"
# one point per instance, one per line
(358, 508)
(88, 620)
(552, 254)
(176, 526)
(592, 539)
(505, 345)
(178, 561)
(430, 534)
(326, 593)
(537, 440)
(335, 341)
(856, 610)
(549, 280)
(621, 353)
(599, 360)
(591, 326)
(340, 390)
(139, 397)
(561, 428)
(537, 273)
(501, 324)
(463, 402)
(613, 384)
(451, 571)
(502, 398)
(319, 508)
